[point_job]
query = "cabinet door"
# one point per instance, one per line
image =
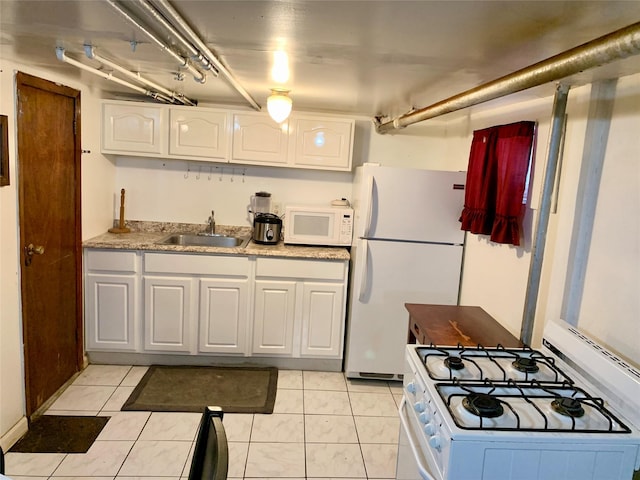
(134, 129)
(110, 312)
(223, 315)
(322, 319)
(199, 133)
(322, 144)
(273, 317)
(257, 139)
(167, 314)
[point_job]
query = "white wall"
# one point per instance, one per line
(97, 184)
(11, 365)
(610, 307)
(179, 191)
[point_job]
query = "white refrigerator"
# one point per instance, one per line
(407, 248)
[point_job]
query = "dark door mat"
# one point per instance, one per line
(190, 389)
(60, 434)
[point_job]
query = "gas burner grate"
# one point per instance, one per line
(497, 364)
(534, 407)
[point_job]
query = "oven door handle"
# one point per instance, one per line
(424, 473)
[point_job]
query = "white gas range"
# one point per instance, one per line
(519, 414)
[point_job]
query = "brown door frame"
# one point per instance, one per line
(23, 79)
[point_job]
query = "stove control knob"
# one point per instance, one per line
(424, 416)
(434, 441)
(419, 407)
(430, 429)
(411, 388)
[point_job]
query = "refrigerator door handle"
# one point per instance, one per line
(371, 181)
(364, 272)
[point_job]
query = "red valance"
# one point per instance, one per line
(496, 181)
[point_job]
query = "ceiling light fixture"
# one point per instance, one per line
(279, 104)
(280, 69)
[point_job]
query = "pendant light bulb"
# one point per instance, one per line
(279, 105)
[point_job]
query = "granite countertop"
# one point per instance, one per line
(146, 235)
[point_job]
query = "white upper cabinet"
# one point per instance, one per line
(224, 136)
(199, 133)
(257, 139)
(321, 143)
(134, 128)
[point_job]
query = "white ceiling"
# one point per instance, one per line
(359, 57)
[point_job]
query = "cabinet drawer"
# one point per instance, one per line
(320, 269)
(111, 261)
(195, 264)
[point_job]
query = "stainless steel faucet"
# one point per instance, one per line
(211, 227)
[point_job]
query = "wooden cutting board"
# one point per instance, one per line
(445, 325)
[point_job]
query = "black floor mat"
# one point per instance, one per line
(60, 434)
(190, 389)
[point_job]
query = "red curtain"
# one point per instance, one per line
(496, 181)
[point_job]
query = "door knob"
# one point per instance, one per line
(31, 250)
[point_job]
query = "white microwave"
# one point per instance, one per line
(312, 225)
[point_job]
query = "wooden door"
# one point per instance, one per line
(48, 126)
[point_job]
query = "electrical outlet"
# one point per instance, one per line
(277, 208)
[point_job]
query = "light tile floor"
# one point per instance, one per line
(323, 426)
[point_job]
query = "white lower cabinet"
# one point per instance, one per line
(168, 314)
(274, 317)
(299, 307)
(322, 319)
(223, 315)
(196, 304)
(111, 300)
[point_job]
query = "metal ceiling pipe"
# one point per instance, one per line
(184, 62)
(196, 56)
(175, 17)
(617, 45)
(91, 53)
(60, 53)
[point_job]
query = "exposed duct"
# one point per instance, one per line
(174, 16)
(183, 61)
(617, 45)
